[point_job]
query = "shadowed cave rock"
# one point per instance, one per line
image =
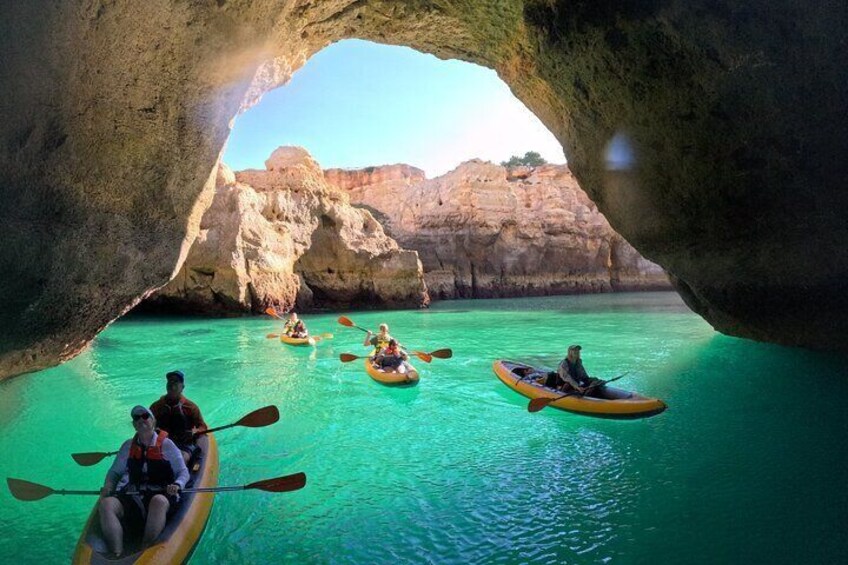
(710, 133)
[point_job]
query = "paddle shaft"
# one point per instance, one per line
(186, 491)
(218, 429)
(63, 491)
(588, 388)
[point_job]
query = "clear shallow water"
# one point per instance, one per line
(749, 464)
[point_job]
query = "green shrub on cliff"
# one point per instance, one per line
(530, 159)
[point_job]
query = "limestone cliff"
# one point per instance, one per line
(485, 231)
(283, 236)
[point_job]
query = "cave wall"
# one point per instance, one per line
(727, 119)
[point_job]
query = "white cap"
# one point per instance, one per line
(138, 410)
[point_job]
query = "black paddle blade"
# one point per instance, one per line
(280, 484)
(25, 490)
(89, 459)
(261, 417)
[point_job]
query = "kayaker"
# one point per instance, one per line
(143, 485)
(391, 358)
(572, 376)
(295, 327)
(178, 415)
(379, 341)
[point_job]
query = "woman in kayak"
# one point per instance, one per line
(391, 358)
(379, 341)
(143, 485)
(295, 327)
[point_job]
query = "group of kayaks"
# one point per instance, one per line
(185, 527)
(606, 402)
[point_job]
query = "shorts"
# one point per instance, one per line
(135, 507)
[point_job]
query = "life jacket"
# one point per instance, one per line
(290, 327)
(159, 471)
(577, 372)
(176, 423)
(381, 343)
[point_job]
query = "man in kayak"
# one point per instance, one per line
(379, 341)
(572, 376)
(295, 327)
(178, 415)
(143, 485)
(391, 358)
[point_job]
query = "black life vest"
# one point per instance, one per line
(159, 471)
(176, 423)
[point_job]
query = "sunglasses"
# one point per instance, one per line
(144, 416)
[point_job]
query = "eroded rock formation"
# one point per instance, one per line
(711, 134)
(484, 231)
(283, 236)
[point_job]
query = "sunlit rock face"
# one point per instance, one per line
(283, 237)
(485, 231)
(731, 114)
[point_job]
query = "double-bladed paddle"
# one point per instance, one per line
(539, 403)
(256, 419)
(319, 337)
(27, 491)
(426, 357)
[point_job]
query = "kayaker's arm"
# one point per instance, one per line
(199, 422)
(367, 341)
(566, 377)
(116, 473)
(175, 458)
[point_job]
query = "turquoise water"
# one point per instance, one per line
(747, 465)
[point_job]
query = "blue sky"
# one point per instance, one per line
(357, 104)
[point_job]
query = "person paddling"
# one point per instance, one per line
(143, 485)
(572, 376)
(178, 415)
(295, 327)
(379, 341)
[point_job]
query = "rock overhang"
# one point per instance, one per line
(114, 117)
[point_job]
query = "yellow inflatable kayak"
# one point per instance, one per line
(616, 403)
(407, 378)
(182, 532)
(297, 340)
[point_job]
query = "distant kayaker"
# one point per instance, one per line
(391, 358)
(379, 341)
(572, 376)
(143, 485)
(178, 415)
(295, 327)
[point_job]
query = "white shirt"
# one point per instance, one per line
(118, 471)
